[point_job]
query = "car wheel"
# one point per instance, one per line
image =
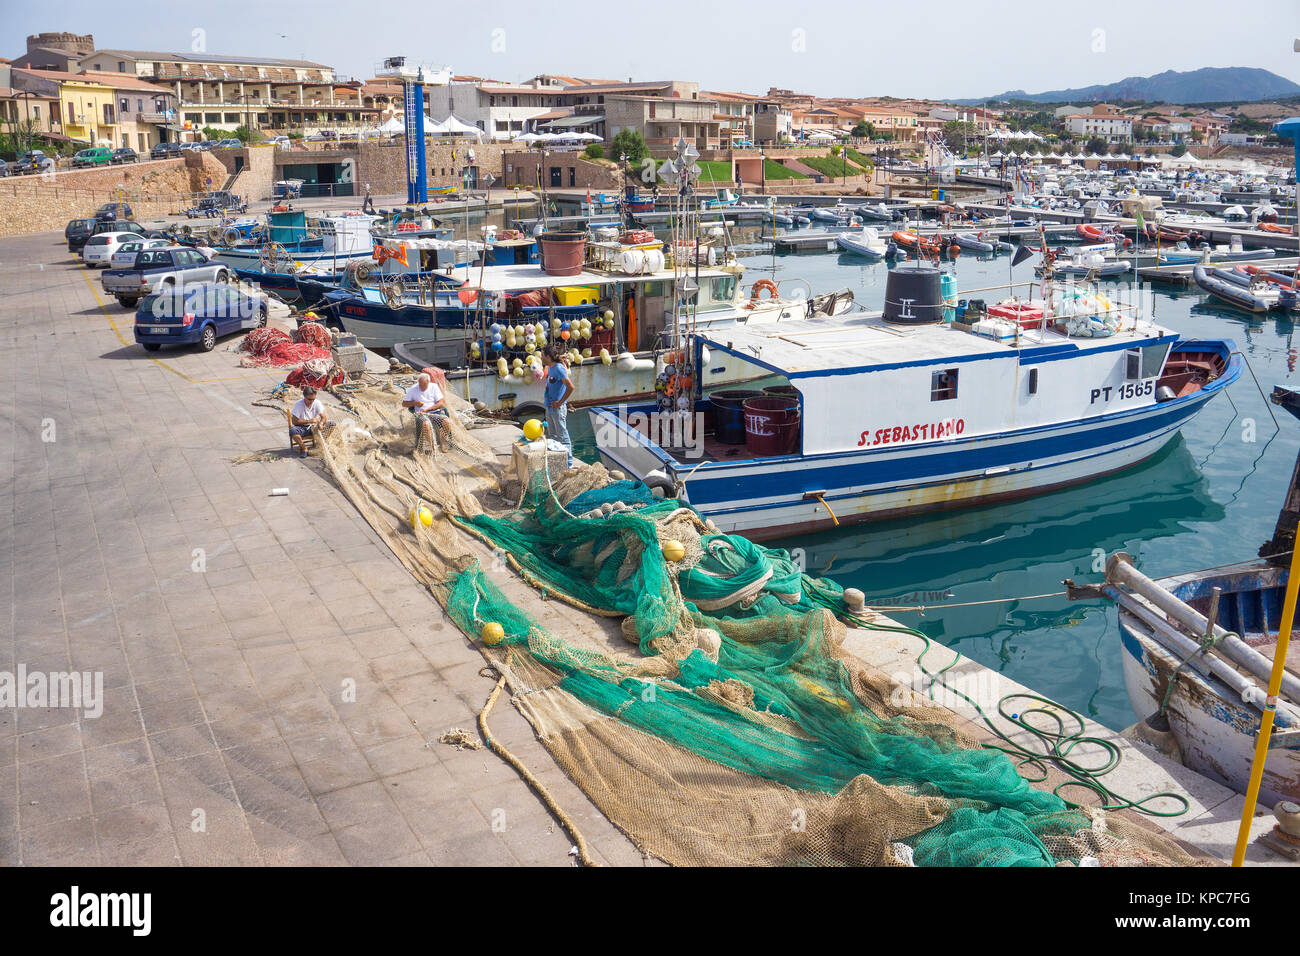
(223, 276)
(261, 317)
(208, 340)
(126, 303)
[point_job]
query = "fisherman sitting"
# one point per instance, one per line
(305, 414)
(429, 406)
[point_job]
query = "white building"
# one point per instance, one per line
(500, 110)
(1106, 126)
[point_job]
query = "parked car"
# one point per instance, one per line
(155, 270)
(100, 247)
(125, 155)
(124, 257)
(5, 169)
(33, 161)
(93, 156)
(205, 145)
(78, 234)
(81, 228)
(196, 315)
(229, 144)
(165, 151)
(216, 203)
(112, 211)
(280, 142)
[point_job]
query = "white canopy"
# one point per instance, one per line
(821, 135)
(394, 125)
(527, 137)
(452, 126)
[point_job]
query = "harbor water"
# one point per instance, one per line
(1209, 498)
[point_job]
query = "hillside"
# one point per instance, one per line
(1208, 85)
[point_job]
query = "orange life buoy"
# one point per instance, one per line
(759, 286)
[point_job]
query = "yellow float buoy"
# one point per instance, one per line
(673, 550)
(532, 429)
(493, 633)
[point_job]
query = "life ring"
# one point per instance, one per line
(759, 286)
(230, 236)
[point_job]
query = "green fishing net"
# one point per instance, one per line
(771, 697)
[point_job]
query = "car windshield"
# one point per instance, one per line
(80, 223)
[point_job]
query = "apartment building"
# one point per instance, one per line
(227, 92)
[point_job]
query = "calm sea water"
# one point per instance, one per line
(1210, 497)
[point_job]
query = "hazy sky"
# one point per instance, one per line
(936, 49)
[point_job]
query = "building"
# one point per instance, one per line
(773, 122)
(664, 120)
(55, 51)
(147, 114)
(735, 115)
(227, 92)
(501, 110)
(87, 108)
(1110, 127)
(29, 99)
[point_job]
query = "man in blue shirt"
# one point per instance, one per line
(558, 389)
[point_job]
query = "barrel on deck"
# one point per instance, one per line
(728, 415)
(781, 391)
(771, 425)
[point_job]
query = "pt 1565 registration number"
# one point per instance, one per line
(1109, 393)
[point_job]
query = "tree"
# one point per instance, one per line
(594, 151)
(630, 143)
(1095, 145)
(864, 130)
(1178, 150)
(957, 135)
(19, 137)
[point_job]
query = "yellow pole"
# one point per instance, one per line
(1270, 706)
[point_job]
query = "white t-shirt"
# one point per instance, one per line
(427, 398)
(303, 411)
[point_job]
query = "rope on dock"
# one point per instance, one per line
(571, 828)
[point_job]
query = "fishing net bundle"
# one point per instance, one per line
(706, 705)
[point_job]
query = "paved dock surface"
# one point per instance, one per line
(228, 733)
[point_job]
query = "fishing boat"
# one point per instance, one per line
(894, 413)
(721, 200)
(1208, 253)
(1197, 652)
(289, 241)
(866, 242)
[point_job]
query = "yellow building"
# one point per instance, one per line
(88, 110)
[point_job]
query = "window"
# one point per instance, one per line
(943, 385)
(1133, 364)
(573, 173)
(72, 114)
(121, 67)
(139, 107)
(1153, 359)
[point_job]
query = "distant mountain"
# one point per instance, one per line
(1208, 85)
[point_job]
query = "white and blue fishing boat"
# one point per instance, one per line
(894, 413)
(290, 242)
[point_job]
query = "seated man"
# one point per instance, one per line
(427, 404)
(306, 413)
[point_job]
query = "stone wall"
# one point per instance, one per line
(258, 175)
(382, 164)
(154, 189)
(575, 172)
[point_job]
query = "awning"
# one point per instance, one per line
(584, 119)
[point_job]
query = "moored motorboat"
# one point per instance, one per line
(864, 242)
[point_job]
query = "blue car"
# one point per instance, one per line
(196, 314)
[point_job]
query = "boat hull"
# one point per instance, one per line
(1215, 730)
(772, 497)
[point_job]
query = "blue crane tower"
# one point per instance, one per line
(414, 78)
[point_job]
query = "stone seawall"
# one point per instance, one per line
(154, 189)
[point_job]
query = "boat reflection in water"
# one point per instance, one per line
(1017, 549)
